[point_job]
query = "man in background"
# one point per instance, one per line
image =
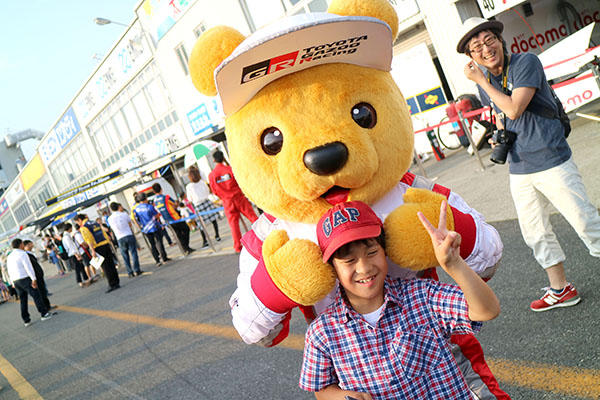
(24, 280)
(120, 223)
(224, 185)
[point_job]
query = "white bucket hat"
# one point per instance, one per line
(473, 26)
(300, 42)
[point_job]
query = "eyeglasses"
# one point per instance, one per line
(478, 48)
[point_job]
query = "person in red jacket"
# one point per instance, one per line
(223, 184)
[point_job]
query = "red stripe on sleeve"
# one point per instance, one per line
(408, 178)
(465, 225)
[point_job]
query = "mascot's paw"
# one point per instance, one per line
(407, 242)
(297, 268)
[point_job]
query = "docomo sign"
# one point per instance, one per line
(578, 91)
(489, 8)
(57, 139)
(522, 44)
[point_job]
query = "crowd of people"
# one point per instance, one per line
(88, 247)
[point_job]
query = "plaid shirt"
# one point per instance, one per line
(407, 356)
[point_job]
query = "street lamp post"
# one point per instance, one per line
(105, 21)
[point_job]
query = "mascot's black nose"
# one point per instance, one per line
(326, 159)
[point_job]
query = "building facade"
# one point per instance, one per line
(138, 110)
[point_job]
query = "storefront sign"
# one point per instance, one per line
(545, 27)
(59, 136)
(206, 117)
(32, 172)
(82, 188)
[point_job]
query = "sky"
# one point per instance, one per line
(46, 55)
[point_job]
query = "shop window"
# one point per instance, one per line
(142, 108)
(131, 118)
(161, 125)
(168, 120)
(121, 125)
(175, 117)
(183, 58)
(155, 95)
(154, 130)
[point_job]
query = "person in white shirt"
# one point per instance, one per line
(23, 277)
(120, 222)
(197, 192)
(75, 258)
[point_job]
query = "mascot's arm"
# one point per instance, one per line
(406, 240)
(488, 247)
(251, 318)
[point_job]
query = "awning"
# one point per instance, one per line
(43, 222)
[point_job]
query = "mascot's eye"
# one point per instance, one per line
(364, 115)
(271, 141)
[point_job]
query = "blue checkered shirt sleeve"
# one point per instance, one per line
(449, 304)
(318, 371)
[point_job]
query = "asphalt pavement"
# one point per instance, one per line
(168, 335)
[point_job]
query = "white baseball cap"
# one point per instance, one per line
(300, 42)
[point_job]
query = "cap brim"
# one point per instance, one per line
(462, 43)
(362, 232)
(297, 43)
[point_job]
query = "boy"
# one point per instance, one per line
(384, 338)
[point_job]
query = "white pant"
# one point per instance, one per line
(562, 186)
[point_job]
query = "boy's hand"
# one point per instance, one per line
(446, 244)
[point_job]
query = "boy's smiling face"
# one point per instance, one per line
(361, 271)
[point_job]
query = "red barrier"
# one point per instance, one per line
(465, 115)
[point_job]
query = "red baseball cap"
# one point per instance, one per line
(345, 223)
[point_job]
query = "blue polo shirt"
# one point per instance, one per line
(541, 142)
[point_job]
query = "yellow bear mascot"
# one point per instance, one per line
(314, 117)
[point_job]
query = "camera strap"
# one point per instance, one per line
(505, 69)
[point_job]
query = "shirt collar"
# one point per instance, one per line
(343, 311)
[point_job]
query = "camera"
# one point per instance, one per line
(504, 140)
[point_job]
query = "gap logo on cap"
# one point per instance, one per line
(339, 217)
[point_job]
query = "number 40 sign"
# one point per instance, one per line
(489, 8)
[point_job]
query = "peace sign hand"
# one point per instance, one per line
(446, 244)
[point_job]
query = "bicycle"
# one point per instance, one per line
(447, 135)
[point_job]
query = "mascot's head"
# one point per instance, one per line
(313, 116)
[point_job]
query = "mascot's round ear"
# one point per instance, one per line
(211, 48)
(380, 9)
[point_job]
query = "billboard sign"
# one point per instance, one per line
(206, 117)
(62, 133)
(159, 16)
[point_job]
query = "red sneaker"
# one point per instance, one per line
(568, 297)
